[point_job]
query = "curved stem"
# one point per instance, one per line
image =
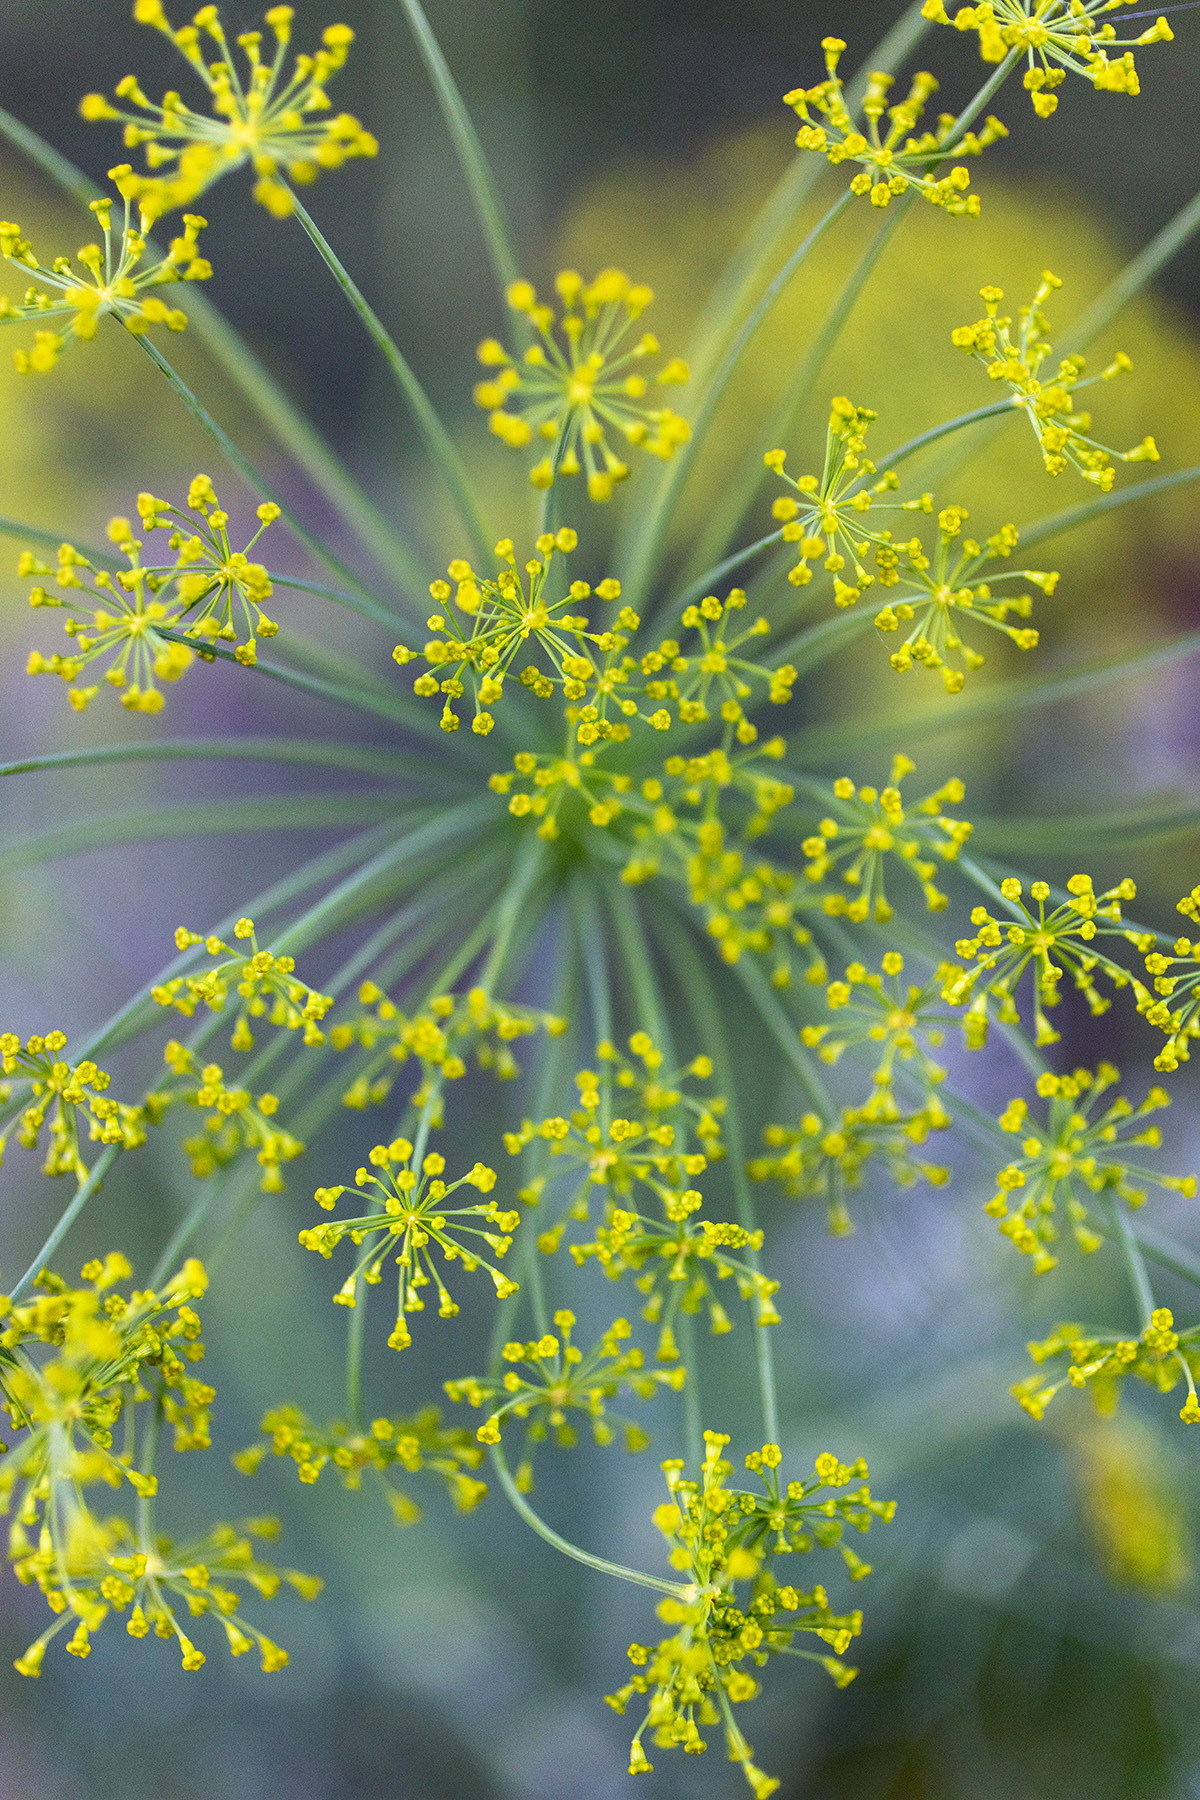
(383, 705)
(368, 603)
(489, 207)
(360, 758)
(1135, 1266)
(600, 1563)
(436, 438)
(87, 1188)
(652, 522)
(924, 438)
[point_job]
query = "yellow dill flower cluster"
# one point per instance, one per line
(39, 1084)
(1046, 942)
(720, 1536)
(1059, 37)
(890, 160)
(866, 825)
(633, 1125)
(897, 1022)
(1077, 1150)
(235, 1120)
(581, 382)
(422, 1442)
(441, 1036)
(1175, 1004)
(824, 1157)
(135, 619)
(1049, 405)
(939, 592)
(1100, 1363)
(550, 1378)
(77, 1362)
(410, 1217)
(67, 302)
(266, 985)
(282, 127)
(488, 619)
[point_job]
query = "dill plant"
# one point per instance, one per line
(591, 769)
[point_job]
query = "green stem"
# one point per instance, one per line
(830, 743)
(639, 966)
(693, 1411)
(1073, 516)
(368, 603)
(207, 817)
(704, 584)
(360, 758)
(784, 1032)
(1175, 1257)
(651, 522)
(485, 195)
(1135, 1266)
(589, 927)
(1136, 275)
(530, 861)
(925, 438)
(436, 438)
(355, 1337)
(91, 1185)
(729, 514)
(696, 983)
(599, 1563)
(145, 1503)
(382, 704)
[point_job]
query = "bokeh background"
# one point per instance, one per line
(1034, 1619)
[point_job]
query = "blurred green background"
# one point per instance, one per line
(1033, 1626)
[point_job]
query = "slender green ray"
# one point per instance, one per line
(361, 758)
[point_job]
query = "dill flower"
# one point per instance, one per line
(633, 1126)
(1059, 37)
(943, 595)
(1073, 1152)
(135, 619)
(675, 1264)
(235, 1120)
(721, 1536)
(1176, 983)
(824, 1158)
(550, 1378)
(421, 1442)
(106, 283)
(826, 518)
(281, 127)
(889, 161)
(873, 824)
(893, 1020)
(266, 985)
(1101, 1361)
(102, 1566)
(1049, 405)
(581, 381)
(1046, 942)
(410, 1217)
(38, 1084)
(488, 619)
(442, 1035)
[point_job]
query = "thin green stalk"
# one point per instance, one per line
(706, 583)
(730, 294)
(1135, 1266)
(729, 512)
(1136, 826)
(356, 1327)
(485, 195)
(831, 743)
(693, 1410)
(145, 1502)
(639, 966)
(599, 1563)
(435, 437)
(267, 398)
(205, 818)
(648, 524)
(696, 982)
(530, 861)
(1136, 275)
(924, 438)
(369, 604)
(589, 926)
(381, 704)
(91, 1185)
(1073, 516)
(767, 1006)
(362, 759)
(50, 540)
(1172, 1256)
